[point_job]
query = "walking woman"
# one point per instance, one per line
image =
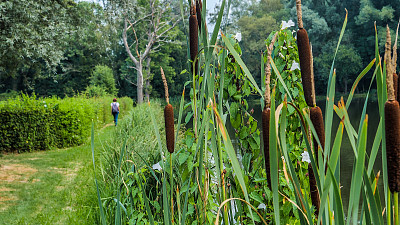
(115, 110)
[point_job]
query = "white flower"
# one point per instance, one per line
(295, 66)
(262, 206)
(238, 36)
(287, 24)
(45, 106)
(157, 167)
(305, 157)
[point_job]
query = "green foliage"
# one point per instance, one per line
(95, 91)
(29, 124)
(350, 63)
(34, 36)
(103, 77)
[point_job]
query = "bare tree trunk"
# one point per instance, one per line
(148, 76)
(139, 70)
(157, 35)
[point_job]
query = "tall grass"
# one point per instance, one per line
(209, 176)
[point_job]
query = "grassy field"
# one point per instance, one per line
(51, 187)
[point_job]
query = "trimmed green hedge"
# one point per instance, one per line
(28, 123)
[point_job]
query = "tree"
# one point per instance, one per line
(147, 26)
(32, 33)
(103, 77)
(350, 64)
(263, 18)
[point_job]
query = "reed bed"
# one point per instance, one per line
(209, 181)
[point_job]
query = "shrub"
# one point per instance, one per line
(95, 91)
(103, 77)
(28, 124)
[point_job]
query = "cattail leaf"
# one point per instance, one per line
(241, 63)
(222, 82)
(262, 74)
(375, 211)
(180, 114)
(217, 26)
(357, 81)
(146, 202)
(336, 51)
(332, 165)
(273, 155)
(339, 214)
(352, 134)
(102, 215)
(375, 148)
(331, 92)
(358, 170)
(382, 97)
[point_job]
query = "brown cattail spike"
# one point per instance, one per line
(392, 133)
(193, 34)
(199, 8)
(265, 128)
(315, 200)
(318, 123)
(303, 45)
(169, 127)
(299, 14)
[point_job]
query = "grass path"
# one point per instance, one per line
(50, 187)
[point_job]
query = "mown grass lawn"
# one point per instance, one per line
(51, 187)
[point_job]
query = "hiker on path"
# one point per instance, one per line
(115, 110)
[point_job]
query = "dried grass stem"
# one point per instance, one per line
(165, 85)
(299, 14)
(267, 93)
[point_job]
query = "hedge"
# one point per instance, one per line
(28, 123)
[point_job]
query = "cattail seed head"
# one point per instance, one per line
(318, 123)
(315, 200)
(265, 116)
(199, 7)
(303, 45)
(169, 127)
(193, 34)
(392, 133)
